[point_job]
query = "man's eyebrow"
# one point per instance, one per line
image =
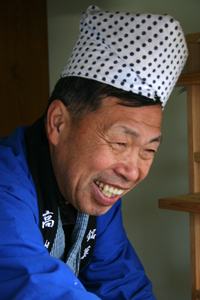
(136, 134)
(156, 139)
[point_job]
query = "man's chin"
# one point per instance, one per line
(101, 212)
(95, 210)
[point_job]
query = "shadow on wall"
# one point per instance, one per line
(72, 7)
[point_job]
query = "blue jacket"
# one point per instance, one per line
(28, 272)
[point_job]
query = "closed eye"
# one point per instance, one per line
(119, 145)
(151, 150)
(148, 153)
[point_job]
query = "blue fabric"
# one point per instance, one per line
(115, 271)
(28, 272)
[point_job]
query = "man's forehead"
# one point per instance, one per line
(113, 114)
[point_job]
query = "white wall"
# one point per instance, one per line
(160, 237)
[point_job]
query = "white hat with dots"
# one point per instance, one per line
(141, 53)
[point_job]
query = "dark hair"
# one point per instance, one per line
(82, 95)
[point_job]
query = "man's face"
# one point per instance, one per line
(104, 155)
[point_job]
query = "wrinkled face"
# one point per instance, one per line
(101, 157)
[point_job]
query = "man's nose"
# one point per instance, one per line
(129, 170)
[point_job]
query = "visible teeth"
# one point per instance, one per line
(101, 185)
(108, 190)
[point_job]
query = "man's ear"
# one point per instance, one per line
(57, 121)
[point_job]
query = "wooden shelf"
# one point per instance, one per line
(197, 294)
(187, 203)
(189, 79)
(197, 157)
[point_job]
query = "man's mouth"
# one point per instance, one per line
(109, 190)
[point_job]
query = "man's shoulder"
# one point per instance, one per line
(14, 141)
(12, 152)
(15, 176)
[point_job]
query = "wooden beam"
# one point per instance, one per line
(188, 79)
(186, 203)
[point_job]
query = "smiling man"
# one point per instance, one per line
(62, 179)
(109, 151)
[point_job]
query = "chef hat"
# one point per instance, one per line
(141, 53)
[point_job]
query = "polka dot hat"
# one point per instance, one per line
(141, 53)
